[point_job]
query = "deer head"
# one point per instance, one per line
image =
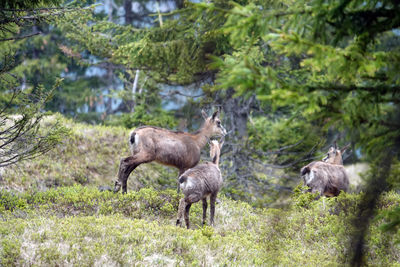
(215, 149)
(334, 155)
(213, 124)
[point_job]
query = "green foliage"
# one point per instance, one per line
(10, 253)
(90, 201)
(300, 138)
(80, 225)
(302, 198)
(158, 117)
(297, 55)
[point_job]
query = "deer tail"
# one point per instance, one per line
(304, 170)
(132, 139)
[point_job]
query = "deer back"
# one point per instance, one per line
(167, 147)
(329, 178)
(204, 179)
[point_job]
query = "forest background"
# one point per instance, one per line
(291, 78)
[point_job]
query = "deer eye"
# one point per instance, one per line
(218, 123)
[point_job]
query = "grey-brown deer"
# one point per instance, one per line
(327, 177)
(177, 149)
(200, 182)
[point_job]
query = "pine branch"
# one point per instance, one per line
(20, 37)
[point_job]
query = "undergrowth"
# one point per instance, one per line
(82, 226)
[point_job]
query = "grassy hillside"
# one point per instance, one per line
(89, 156)
(52, 214)
(81, 226)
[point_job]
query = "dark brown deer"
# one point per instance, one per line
(177, 149)
(200, 182)
(327, 177)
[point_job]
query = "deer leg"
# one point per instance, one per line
(181, 209)
(192, 198)
(204, 210)
(213, 197)
(127, 165)
(187, 209)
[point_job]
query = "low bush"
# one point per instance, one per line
(82, 226)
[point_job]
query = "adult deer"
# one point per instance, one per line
(177, 149)
(327, 177)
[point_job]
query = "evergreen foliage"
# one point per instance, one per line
(290, 76)
(22, 136)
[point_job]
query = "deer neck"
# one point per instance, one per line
(202, 136)
(215, 159)
(338, 161)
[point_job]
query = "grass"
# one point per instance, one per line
(79, 225)
(89, 156)
(52, 214)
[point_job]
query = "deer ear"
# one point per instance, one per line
(335, 145)
(204, 114)
(215, 114)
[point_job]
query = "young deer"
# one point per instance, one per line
(177, 149)
(200, 182)
(328, 177)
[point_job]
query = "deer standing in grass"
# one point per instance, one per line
(177, 149)
(200, 182)
(328, 177)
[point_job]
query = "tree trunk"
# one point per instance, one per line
(128, 12)
(237, 111)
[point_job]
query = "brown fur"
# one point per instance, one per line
(328, 177)
(200, 182)
(177, 149)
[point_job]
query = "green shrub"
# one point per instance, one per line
(10, 252)
(80, 225)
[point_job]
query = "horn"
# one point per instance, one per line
(215, 114)
(343, 149)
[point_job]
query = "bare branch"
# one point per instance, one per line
(176, 92)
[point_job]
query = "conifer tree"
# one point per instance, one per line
(346, 56)
(23, 100)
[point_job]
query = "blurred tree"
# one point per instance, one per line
(21, 134)
(336, 63)
(177, 49)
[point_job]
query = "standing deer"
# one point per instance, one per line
(177, 149)
(200, 182)
(328, 177)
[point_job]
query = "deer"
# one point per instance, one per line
(171, 148)
(200, 182)
(327, 177)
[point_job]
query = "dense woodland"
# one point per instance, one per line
(290, 78)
